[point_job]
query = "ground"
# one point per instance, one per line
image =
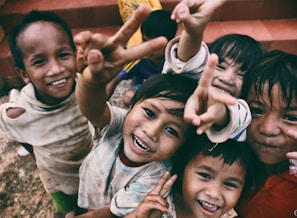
(21, 192)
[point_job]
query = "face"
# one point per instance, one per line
(49, 61)
(151, 132)
(270, 122)
(210, 187)
(228, 77)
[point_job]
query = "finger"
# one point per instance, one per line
(82, 37)
(159, 186)
(191, 113)
(221, 97)
(207, 75)
(292, 134)
(145, 48)
(126, 31)
(167, 186)
(292, 155)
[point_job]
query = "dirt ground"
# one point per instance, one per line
(21, 192)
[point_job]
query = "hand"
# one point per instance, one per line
(154, 204)
(207, 105)
(195, 14)
(100, 57)
(293, 135)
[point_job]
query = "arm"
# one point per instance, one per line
(154, 203)
(194, 16)
(100, 58)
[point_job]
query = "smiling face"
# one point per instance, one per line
(228, 77)
(152, 132)
(49, 61)
(211, 188)
(267, 132)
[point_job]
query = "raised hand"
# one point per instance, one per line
(154, 204)
(207, 105)
(105, 56)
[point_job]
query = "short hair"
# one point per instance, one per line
(158, 24)
(168, 86)
(33, 17)
(242, 49)
(231, 152)
(277, 67)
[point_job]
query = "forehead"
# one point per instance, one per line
(41, 31)
(273, 97)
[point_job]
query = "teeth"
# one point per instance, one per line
(208, 206)
(222, 90)
(140, 145)
(59, 82)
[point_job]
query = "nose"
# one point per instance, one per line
(55, 67)
(269, 126)
(213, 190)
(152, 129)
(228, 76)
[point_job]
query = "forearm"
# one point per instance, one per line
(92, 102)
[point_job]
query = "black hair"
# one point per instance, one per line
(158, 24)
(168, 86)
(242, 49)
(230, 151)
(277, 67)
(33, 17)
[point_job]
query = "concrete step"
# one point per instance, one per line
(272, 22)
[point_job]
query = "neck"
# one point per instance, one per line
(125, 160)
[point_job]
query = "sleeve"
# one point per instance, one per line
(155, 5)
(192, 68)
(128, 198)
(240, 118)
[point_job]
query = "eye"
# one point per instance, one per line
(172, 131)
(291, 118)
(149, 113)
(256, 111)
(204, 176)
(231, 185)
(38, 62)
(241, 73)
(65, 55)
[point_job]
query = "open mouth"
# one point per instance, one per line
(208, 207)
(140, 145)
(222, 90)
(58, 82)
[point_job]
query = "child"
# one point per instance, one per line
(128, 7)
(157, 24)
(211, 178)
(44, 114)
(237, 55)
(271, 95)
(270, 90)
(133, 149)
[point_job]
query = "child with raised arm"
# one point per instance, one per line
(210, 180)
(133, 149)
(271, 94)
(157, 24)
(44, 114)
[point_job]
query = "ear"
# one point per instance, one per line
(22, 73)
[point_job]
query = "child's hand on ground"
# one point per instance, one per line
(154, 203)
(105, 56)
(207, 105)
